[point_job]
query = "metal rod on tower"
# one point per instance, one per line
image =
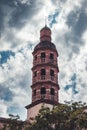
(45, 21)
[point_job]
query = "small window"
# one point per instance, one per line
(43, 72)
(43, 55)
(34, 92)
(43, 90)
(35, 57)
(51, 56)
(52, 72)
(52, 92)
(35, 73)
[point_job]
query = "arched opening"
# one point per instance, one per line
(51, 57)
(35, 57)
(43, 56)
(34, 92)
(35, 73)
(43, 92)
(52, 91)
(43, 73)
(52, 74)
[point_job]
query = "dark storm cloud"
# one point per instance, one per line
(6, 6)
(73, 43)
(72, 18)
(16, 12)
(20, 15)
(81, 24)
(77, 23)
(5, 93)
(1, 20)
(14, 15)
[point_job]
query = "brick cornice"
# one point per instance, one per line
(45, 64)
(41, 101)
(45, 82)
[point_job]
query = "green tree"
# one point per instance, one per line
(68, 116)
(15, 123)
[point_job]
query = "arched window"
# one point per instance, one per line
(35, 57)
(34, 92)
(43, 90)
(52, 91)
(51, 72)
(43, 73)
(51, 56)
(43, 56)
(35, 73)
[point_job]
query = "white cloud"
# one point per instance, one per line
(76, 65)
(65, 96)
(4, 44)
(84, 37)
(3, 109)
(15, 75)
(25, 1)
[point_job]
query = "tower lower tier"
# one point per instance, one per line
(45, 90)
(33, 108)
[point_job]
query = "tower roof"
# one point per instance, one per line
(45, 44)
(45, 28)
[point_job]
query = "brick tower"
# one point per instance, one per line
(45, 74)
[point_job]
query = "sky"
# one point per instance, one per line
(20, 25)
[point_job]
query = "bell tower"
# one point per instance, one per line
(44, 74)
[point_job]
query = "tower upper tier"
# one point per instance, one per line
(45, 40)
(45, 34)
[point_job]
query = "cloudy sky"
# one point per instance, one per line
(20, 24)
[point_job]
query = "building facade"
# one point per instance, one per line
(45, 70)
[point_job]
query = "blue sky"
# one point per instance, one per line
(20, 24)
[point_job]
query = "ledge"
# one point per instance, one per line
(41, 101)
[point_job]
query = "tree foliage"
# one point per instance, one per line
(12, 123)
(15, 123)
(68, 116)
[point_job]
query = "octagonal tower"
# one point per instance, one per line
(44, 74)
